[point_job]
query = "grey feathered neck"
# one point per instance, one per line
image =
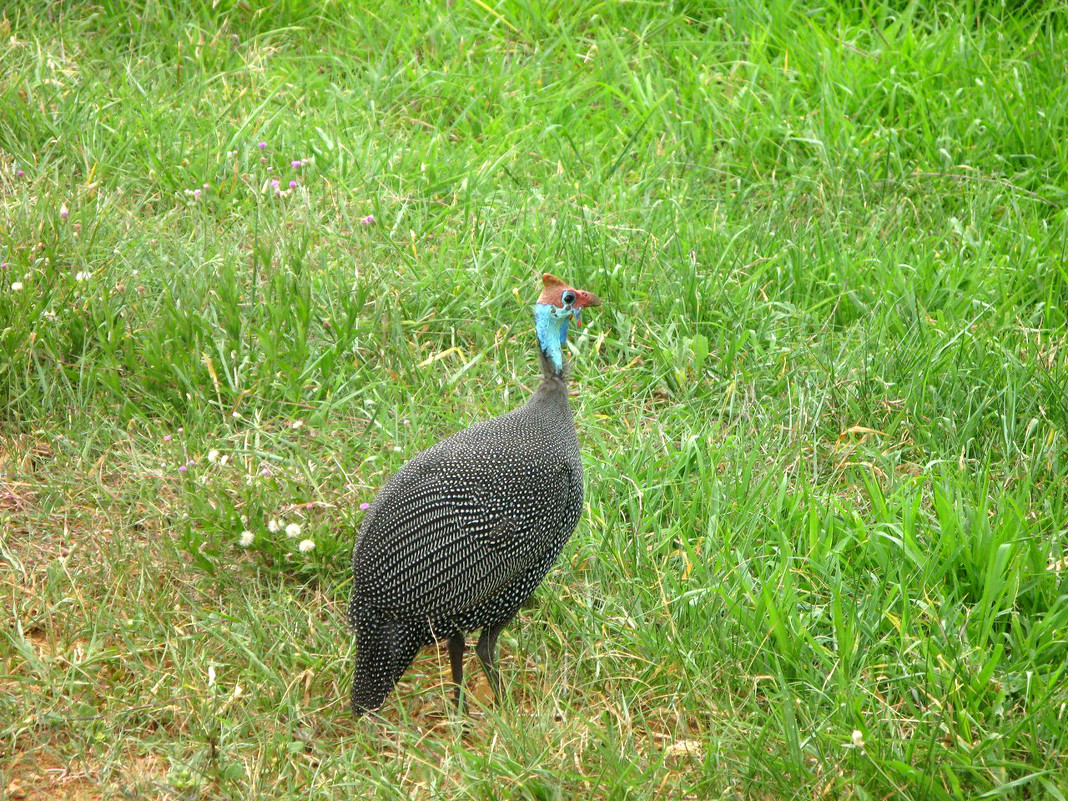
(552, 382)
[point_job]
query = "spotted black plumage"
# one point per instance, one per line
(461, 536)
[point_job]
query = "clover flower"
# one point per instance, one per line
(305, 546)
(293, 530)
(246, 539)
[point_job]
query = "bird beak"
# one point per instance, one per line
(583, 300)
(586, 299)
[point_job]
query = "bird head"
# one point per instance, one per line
(564, 301)
(558, 304)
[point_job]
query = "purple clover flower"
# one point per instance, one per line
(368, 220)
(365, 506)
(262, 145)
(292, 184)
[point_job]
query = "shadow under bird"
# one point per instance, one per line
(461, 536)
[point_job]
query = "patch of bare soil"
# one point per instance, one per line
(39, 775)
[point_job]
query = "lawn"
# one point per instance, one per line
(255, 255)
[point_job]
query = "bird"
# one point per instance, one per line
(464, 532)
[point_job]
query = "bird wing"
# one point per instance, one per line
(448, 533)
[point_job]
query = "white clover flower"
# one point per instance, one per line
(246, 539)
(858, 739)
(82, 276)
(305, 546)
(293, 530)
(273, 526)
(213, 456)
(16, 286)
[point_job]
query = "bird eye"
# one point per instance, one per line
(568, 297)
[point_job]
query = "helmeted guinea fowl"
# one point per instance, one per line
(463, 533)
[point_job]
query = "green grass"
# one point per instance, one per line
(822, 408)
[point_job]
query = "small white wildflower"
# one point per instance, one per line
(298, 423)
(246, 539)
(16, 286)
(305, 546)
(213, 456)
(858, 739)
(273, 526)
(82, 276)
(293, 530)
(224, 459)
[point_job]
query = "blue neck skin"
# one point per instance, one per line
(550, 323)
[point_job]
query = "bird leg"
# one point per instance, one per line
(456, 662)
(486, 649)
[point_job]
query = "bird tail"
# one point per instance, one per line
(384, 650)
